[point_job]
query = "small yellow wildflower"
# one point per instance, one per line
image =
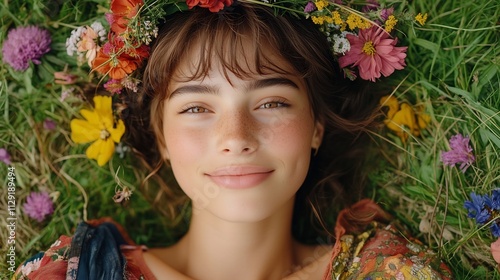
(98, 127)
(318, 19)
(354, 21)
(321, 4)
(421, 18)
(336, 18)
(390, 23)
(403, 120)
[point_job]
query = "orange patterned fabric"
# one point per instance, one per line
(367, 247)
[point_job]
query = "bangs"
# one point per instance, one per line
(233, 42)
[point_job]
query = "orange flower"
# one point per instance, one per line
(122, 12)
(212, 5)
(119, 65)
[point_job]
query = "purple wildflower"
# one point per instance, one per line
(38, 206)
(25, 44)
(310, 7)
(461, 152)
(4, 156)
(476, 208)
(371, 5)
(385, 13)
(49, 124)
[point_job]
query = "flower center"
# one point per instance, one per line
(104, 134)
(368, 48)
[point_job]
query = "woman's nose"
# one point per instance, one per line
(237, 133)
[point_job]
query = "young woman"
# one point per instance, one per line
(250, 112)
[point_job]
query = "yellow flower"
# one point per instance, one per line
(421, 18)
(336, 18)
(390, 23)
(402, 119)
(321, 4)
(98, 127)
(354, 21)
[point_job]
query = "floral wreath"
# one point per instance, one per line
(359, 35)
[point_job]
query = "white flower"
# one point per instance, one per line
(72, 41)
(341, 44)
(99, 29)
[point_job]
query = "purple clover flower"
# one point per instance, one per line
(476, 208)
(38, 206)
(49, 124)
(25, 44)
(371, 5)
(461, 152)
(4, 156)
(310, 7)
(385, 13)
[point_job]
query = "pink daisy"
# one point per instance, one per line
(375, 53)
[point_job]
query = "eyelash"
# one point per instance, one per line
(189, 108)
(280, 103)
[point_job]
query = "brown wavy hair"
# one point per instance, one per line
(344, 107)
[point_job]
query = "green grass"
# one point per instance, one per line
(453, 71)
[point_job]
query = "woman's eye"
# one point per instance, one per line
(273, 104)
(195, 110)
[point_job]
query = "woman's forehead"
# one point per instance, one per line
(245, 61)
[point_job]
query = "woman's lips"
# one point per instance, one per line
(239, 177)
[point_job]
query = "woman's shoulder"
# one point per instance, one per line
(371, 245)
(97, 249)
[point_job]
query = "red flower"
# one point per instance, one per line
(119, 64)
(122, 12)
(212, 5)
(375, 53)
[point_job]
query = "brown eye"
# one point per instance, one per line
(195, 110)
(273, 105)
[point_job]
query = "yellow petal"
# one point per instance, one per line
(392, 103)
(404, 122)
(82, 131)
(91, 116)
(103, 106)
(116, 133)
(101, 150)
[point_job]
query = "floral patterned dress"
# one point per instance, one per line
(365, 248)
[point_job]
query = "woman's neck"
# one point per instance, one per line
(218, 249)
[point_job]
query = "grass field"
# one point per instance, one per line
(453, 76)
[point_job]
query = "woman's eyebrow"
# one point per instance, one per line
(263, 83)
(254, 85)
(194, 89)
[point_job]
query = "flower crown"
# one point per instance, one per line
(359, 35)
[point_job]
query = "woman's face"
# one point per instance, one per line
(240, 149)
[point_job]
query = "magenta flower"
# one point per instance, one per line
(49, 124)
(310, 7)
(25, 44)
(38, 206)
(461, 152)
(4, 156)
(385, 13)
(375, 53)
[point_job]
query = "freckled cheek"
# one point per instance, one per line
(291, 138)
